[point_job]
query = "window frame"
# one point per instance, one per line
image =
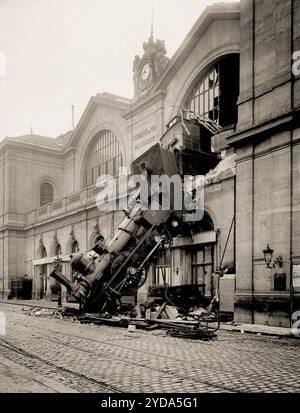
(204, 99)
(46, 199)
(104, 157)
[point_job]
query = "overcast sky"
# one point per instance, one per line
(61, 52)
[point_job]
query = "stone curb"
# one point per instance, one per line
(258, 329)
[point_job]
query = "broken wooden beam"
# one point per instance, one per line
(160, 310)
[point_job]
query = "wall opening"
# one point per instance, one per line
(214, 94)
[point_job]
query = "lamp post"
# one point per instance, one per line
(278, 262)
(268, 255)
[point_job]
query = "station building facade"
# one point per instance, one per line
(234, 67)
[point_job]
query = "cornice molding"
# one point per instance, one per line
(269, 126)
(31, 147)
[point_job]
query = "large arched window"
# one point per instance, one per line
(205, 96)
(216, 92)
(46, 193)
(104, 157)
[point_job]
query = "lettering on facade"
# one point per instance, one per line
(151, 130)
(144, 143)
(144, 132)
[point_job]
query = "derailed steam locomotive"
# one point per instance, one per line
(108, 269)
(105, 272)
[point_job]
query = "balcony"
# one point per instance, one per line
(75, 202)
(85, 198)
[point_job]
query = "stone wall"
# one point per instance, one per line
(267, 161)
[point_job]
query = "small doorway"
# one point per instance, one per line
(41, 273)
(203, 266)
(43, 281)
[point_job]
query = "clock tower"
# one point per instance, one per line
(148, 68)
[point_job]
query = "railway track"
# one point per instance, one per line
(63, 343)
(29, 360)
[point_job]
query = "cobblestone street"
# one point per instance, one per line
(54, 355)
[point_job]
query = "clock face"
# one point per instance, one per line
(145, 73)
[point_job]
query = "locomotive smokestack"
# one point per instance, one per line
(57, 275)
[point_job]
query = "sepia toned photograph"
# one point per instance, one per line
(149, 200)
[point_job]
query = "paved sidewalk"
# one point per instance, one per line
(232, 327)
(258, 329)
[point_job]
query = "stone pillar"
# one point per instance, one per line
(245, 108)
(244, 235)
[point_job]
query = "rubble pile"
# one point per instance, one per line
(43, 312)
(62, 313)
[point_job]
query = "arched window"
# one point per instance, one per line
(104, 157)
(215, 93)
(42, 253)
(74, 247)
(46, 193)
(205, 96)
(41, 250)
(57, 250)
(205, 224)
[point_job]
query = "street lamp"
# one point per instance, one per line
(268, 254)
